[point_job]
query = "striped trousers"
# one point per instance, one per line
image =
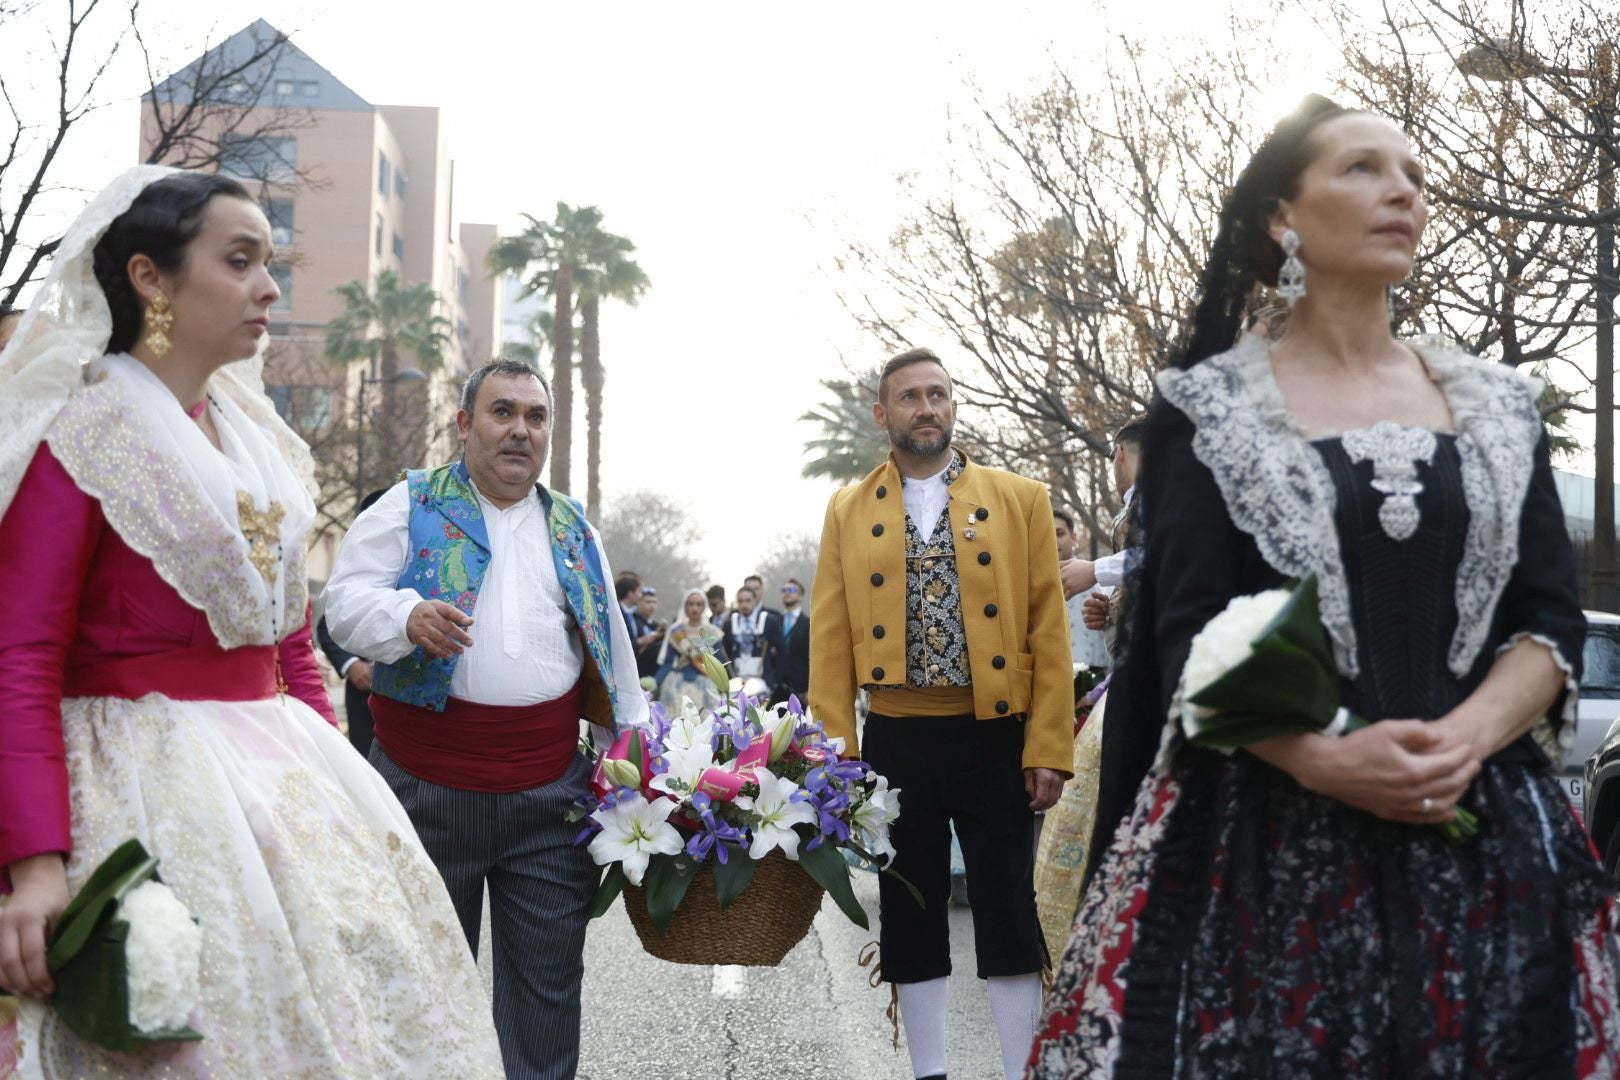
(540, 884)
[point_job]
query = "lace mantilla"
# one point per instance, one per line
(1394, 451)
(1278, 491)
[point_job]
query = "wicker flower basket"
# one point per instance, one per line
(770, 917)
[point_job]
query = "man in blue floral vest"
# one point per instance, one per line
(485, 600)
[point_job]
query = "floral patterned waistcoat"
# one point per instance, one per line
(449, 556)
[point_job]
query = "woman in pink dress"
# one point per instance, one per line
(158, 676)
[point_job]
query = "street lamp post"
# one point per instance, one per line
(1493, 61)
(409, 374)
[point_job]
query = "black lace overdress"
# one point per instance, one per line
(1241, 926)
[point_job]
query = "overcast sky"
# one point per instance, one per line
(742, 146)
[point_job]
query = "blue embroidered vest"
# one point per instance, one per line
(449, 556)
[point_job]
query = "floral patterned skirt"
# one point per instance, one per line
(1241, 926)
(330, 947)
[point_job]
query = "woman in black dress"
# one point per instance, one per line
(1286, 910)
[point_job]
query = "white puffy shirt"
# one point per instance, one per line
(525, 648)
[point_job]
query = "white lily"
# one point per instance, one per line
(873, 816)
(685, 766)
(776, 812)
(633, 831)
(691, 729)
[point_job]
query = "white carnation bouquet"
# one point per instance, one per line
(126, 957)
(1263, 667)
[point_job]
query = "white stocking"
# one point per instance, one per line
(1015, 1003)
(922, 1010)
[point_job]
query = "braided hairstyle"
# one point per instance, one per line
(161, 224)
(1243, 252)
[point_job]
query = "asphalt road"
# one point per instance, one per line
(812, 1018)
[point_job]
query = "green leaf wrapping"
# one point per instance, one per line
(831, 872)
(608, 891)
(667, 879)
(87, 959)
(732, 876)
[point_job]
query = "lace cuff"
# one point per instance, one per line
(1554, 732)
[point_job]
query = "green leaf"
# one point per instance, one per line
(667, 879)
(831, 872)
(732, 876)
(877, 864)
(128, 865)
(608, 891)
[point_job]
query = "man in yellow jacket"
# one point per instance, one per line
(937, 590)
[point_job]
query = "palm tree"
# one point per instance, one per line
(850, 445)
(376, 325)
(612, 275)
(539, 340)
(551, 253)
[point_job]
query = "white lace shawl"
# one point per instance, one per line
(1278, 491)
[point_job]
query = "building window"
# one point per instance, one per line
(281, 274)
(399, 183)
(304, 408)
(382, 174)
(463, 283)
(280, 213)
(309, 88)
(268, 158)
(379, 235)
(399, 246)
(285, 87)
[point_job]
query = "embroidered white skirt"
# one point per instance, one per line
(330, 945)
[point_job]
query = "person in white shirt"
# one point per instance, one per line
(1084, 575)
(483, 599)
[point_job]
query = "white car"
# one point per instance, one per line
(1598, 711)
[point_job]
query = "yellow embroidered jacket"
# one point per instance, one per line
(1012, 605)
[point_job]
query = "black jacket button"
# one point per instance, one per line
(981, 513)
(877, 530)
(999, 662)
(989, 611)
(877, 579)
(1002, 707)
(984, 558)
(877, 675)
(882, 491)
(878, 631)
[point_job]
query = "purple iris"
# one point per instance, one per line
(714, 831)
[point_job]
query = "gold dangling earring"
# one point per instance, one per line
(158, 320)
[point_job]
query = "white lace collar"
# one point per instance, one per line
(1278, 491)
(226, 530)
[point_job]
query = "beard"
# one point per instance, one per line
(923, 448)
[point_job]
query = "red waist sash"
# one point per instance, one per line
(494, 748)
(202, 673)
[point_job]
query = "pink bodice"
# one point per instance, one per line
(79, 598)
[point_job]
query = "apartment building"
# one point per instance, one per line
(351, 189)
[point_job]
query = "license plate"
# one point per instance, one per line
(1574, 785)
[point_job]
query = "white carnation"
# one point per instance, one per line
(1226, 641)
(164, 954)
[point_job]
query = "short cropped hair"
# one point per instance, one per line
(749, 589)
(1131, 434)
(905, 360)
(625, 584)
(1063, 516)
(510, 369)
(716, 592)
